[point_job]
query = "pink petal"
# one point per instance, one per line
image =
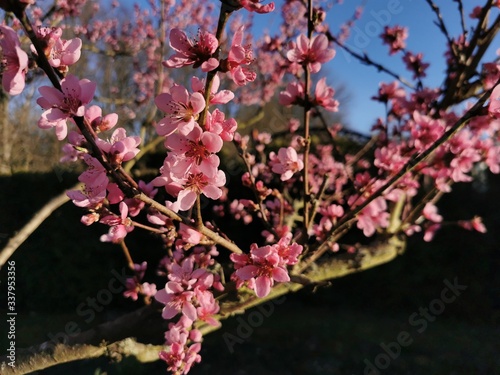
(262, 286)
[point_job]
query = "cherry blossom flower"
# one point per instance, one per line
(120, 225)
(61, 105)
(238, 56)
(373, 216)
(263, 268)
(395, 38)
(415, 64)
(430, 212)
(294, 94)
(195, 148)
(312, 52)
(14, 61)
(96, 180)
(286, 162)
(176, 299)
(324, 96)
(218, 124)
(198, 183)
(60, 53)
(197, 52)
(120, 148)
(181, 109)
(99, 123)
(256, 6)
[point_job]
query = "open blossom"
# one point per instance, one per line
(195, 148)
(294, 94)
(119, 225)
(14, 61)
(60, 52)
(262, 268)
(415, 64)
(197, 52)
(324, 96)
(181, 109)
(99, 122)
(218, 124)
(187, 187)
(61, 105)
(286, 162)
(120, 148)
(395, 38)
(239, 56)
(373, 216)
(256, 6)
(312, 52)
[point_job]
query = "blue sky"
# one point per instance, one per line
(362, 81)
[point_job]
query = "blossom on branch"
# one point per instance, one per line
(395, 38)
(14, 61)
(196, 52)
(313, 52)
(239, 56)
(262, 267)
(181, 109)
(62, 105)
(60, 52)
(286, 162)
(256, 6)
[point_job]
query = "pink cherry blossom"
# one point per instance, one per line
(61, 105)
(14, 61)
(395, 38)
(120, 225)
(324, 96)
(256, 6)
(239, 56)
(193, 52)
(373, 216)
(176, 299)
(430, 212)
(263, 268)
(99, 123)
(120, 148)
(218, 124)
(312, 52)
(61, 53)
(181, 109)
(415, 64)
(286, 162)
(195, 148)
(198, 183)
(294, 94)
